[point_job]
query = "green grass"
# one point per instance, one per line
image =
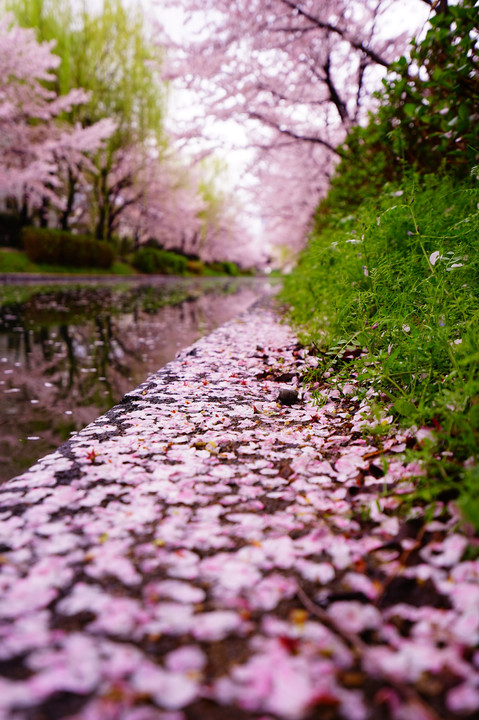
(16, 261)
(399, 281)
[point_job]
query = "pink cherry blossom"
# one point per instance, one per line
(171, 690)
(215, 625)
(188, 658)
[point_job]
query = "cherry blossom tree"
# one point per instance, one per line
(110, 170)
(36, 149)
(297, 74)
(180, 206)
(167, 206)
(143, 196)
(105, 52)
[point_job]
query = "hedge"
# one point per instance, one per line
(150, 260)
(58, 247)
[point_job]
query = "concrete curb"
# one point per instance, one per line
(204, 552)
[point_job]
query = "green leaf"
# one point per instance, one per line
(410, 109)
(404, 407)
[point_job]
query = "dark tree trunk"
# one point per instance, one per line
(65, 216)
(43, 213)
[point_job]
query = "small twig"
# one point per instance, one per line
(358, 647)
(374, 454)
(353, 641)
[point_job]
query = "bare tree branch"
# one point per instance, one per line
(357, 44)
(296, 136)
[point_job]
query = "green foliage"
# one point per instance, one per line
(110, 54)
(427, 117)
(151, 260)
(107, 53)
(224, 267)
(195, 266)
(121, 268)
(58, 247)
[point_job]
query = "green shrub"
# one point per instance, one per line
(224, 267)
(386, 290)
(196, 267)
(153, 261)
(427, 119)
(13, 261)
(58, 247)
(153, 243)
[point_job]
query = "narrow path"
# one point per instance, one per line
(207, 551)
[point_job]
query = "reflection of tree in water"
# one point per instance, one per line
(45, 343)
(63, 362)
(89, 344)
(75, 352)
(88, 361)
(72, 363)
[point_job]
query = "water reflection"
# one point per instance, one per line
(67, 354)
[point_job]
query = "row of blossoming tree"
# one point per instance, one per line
(82, 107)
(297, 75)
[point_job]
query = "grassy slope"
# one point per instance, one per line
(390, 295)
(16, 261)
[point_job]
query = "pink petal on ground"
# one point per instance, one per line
(273, 681)
(353, 616)
(177, 590)
(465, 596)
(108, 562)
(266, 594)
(144, 713)
(406, 663)
(292, 690)
(15, 694)
(75, 667)
(465, 629)
(349, 464)
(446, 553)
(119, 659)
(281, 551)
(361, 583)
(170, 619)
(170, 690)
(26, 596)
(26, 633)
(340, 553)
(186, 659)
(178, 691)
(120, 616)
(316, 572)
(215, 625)
(463, 699)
